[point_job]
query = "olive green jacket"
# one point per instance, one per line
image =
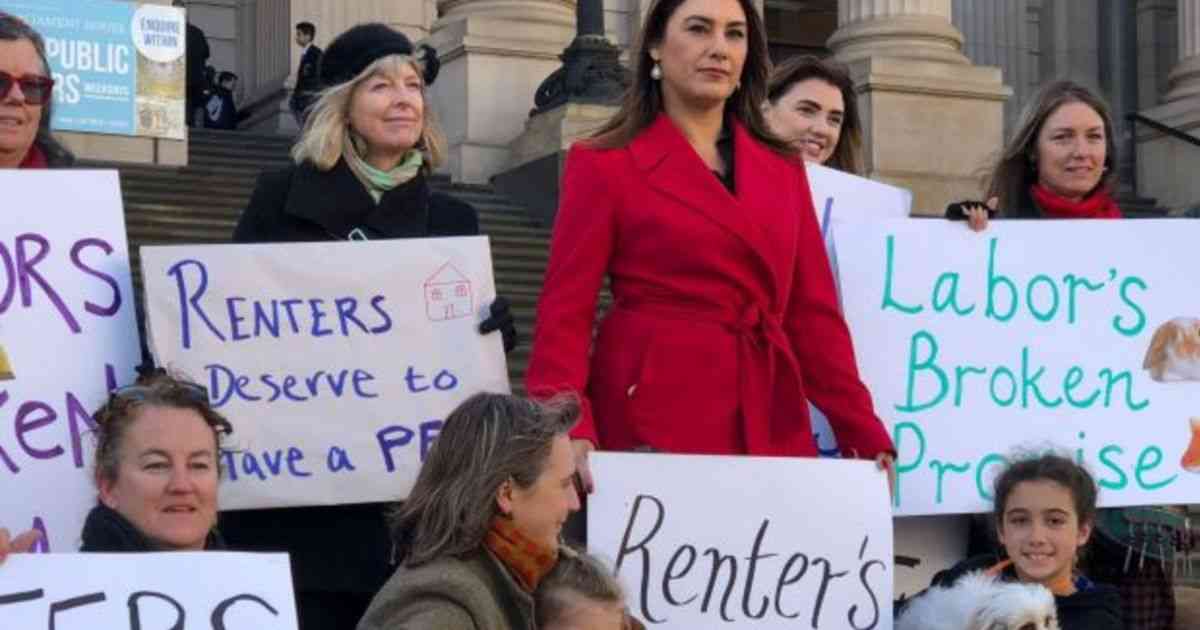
(475, 592)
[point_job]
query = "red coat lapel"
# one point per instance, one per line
(671, 166)
(770, 195)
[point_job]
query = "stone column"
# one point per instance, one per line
(1119, 81)
(1185, 78)
(1166, 164)
(1158, 49)
(495, 54)
(931, 118)
(1002, 33)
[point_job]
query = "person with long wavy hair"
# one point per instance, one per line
(725, 322)
(812, 105)
(480, 531)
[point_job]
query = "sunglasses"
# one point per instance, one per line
(188, 392)
(36, 88)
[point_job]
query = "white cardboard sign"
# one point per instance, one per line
(708, 542)
(67, 336)
(222, 591)
(335, 362)
(1076, 335)
(846, 197)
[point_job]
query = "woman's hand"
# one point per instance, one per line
(977, 217)
(20, 544)
(584, 448)
(976, 214)
(501, 319)
(885, 462)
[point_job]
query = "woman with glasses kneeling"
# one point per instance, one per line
(157, 469)
(157, 457)
(480, 529)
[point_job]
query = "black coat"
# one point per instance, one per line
(301, 203)
(1098, 608)
(345, 548)
(308, 77)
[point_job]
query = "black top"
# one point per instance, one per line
(1091, 607)
(345, 548)
(106, 531)
(197, 57)
(308, 78)
(301, 203)
(725, 150)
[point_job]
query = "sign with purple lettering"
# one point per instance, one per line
(336, 375)
(179, 589)
(762, 542)
(67, 336)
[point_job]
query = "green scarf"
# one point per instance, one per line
(376, 181)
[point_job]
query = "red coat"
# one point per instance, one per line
(725, 319)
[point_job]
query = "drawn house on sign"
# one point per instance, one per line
(448, 295)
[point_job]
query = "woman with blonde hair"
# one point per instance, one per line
(361, 172)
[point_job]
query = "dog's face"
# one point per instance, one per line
(1016, 606)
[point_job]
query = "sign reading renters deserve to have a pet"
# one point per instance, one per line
(67, 336)
(336, 363)
(1078, 335)
(222, 591)
(762, 542)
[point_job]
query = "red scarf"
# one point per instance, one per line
(528, 561)
(1098, 206)
(34, 159)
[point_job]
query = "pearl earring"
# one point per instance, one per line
(656, 72)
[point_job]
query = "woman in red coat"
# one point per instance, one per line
(725, 322)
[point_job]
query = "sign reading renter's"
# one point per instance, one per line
(336, 363)
(1079, 336)
(709, 542)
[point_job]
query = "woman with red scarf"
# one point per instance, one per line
(1060, 163)
(26, 99)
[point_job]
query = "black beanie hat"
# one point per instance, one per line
(365, 44)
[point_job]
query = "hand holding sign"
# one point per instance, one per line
(21, 544)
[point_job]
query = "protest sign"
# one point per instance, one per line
(706, 541)
(1075, 335)
(336, 362)
(118, 67)
(67, 336)
(848, 198)
(148, 590)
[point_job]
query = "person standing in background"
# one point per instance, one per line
(308, 81)
(197, 58)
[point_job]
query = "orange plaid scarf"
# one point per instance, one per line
(528, 561)
(1061, 587)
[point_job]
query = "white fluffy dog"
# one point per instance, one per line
(981, 602)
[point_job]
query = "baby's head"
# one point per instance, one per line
(580, 594)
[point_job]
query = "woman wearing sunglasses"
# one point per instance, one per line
(26, 104)
(156, 472)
